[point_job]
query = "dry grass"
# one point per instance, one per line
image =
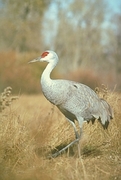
(31, 128)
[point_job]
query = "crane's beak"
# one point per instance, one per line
(35, 60)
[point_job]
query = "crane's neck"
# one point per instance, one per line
(45, 78)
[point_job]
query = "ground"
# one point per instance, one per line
(31, 129)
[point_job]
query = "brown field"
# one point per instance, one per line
(31, 129)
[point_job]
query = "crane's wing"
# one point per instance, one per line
(80, 100)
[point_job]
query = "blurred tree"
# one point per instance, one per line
(118, 42)
(117, 47)
(20, 24)
(80, 37)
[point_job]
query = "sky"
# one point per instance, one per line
(115, 5)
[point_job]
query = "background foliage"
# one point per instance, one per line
(85, 34)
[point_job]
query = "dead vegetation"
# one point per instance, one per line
(6, 98)
(31, 129)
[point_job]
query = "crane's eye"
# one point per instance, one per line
(44, 54)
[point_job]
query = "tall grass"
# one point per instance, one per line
(31, 129)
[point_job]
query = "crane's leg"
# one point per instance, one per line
(77, 135)
(59, 152)
(75, 130)
(81, 121)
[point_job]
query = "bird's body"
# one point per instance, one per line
(75, 100)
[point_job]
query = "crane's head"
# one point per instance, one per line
(47, 56)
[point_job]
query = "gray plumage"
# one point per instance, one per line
(75, 100)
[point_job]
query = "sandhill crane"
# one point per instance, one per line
(75, 100)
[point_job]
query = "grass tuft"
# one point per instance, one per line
(6, 98)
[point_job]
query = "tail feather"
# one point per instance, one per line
(107, 114)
